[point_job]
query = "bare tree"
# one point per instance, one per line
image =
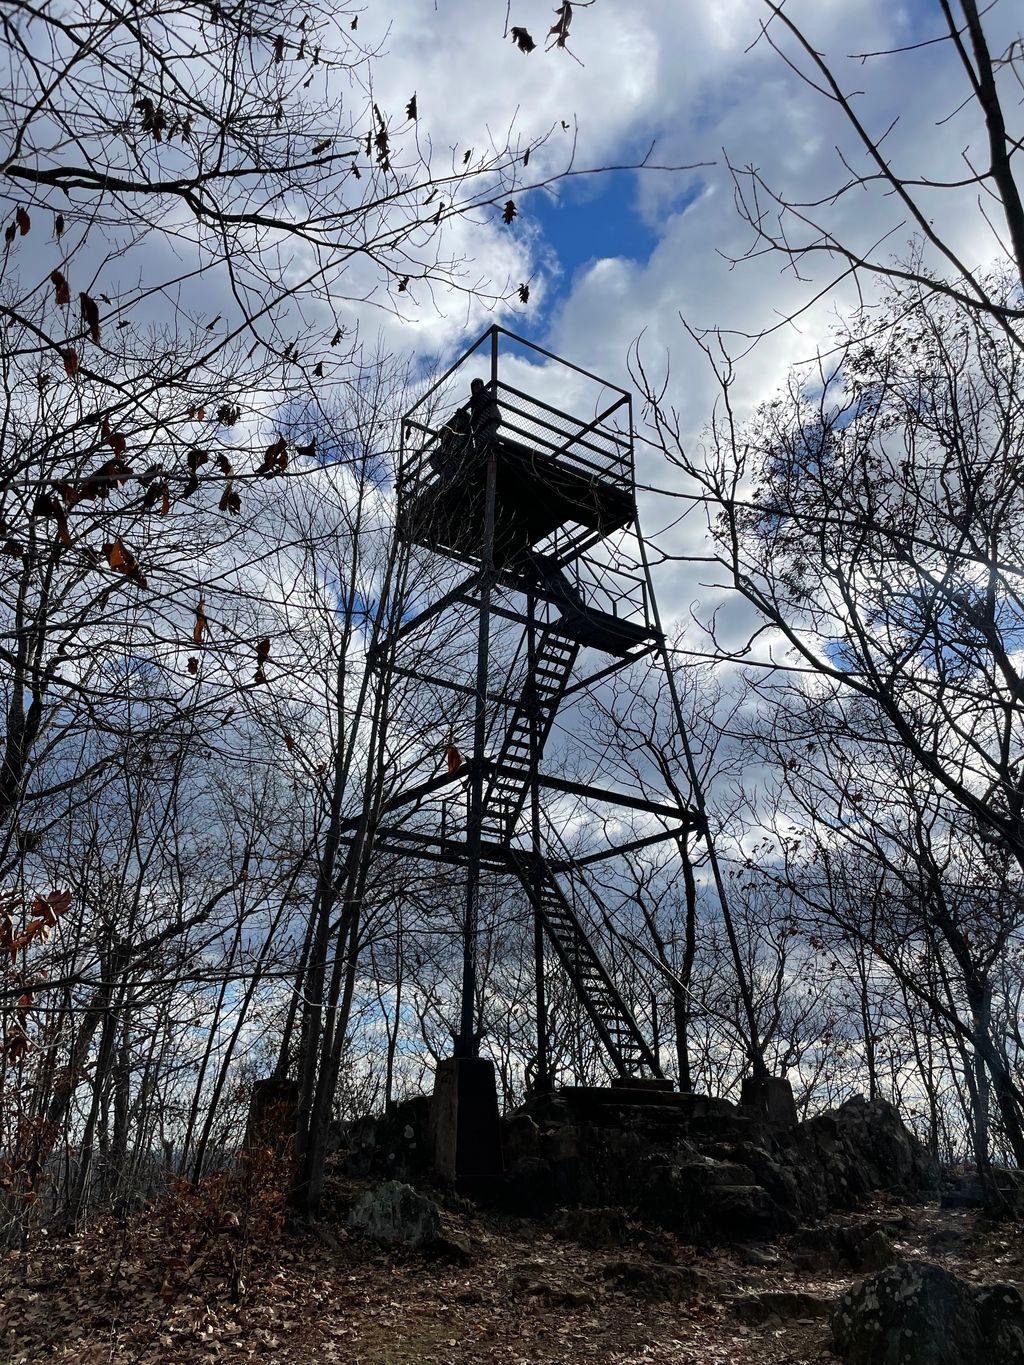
(804, 226)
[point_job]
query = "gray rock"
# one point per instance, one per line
(873, 1251)
(661, 1283)
(841, 1156)
(592, 1227)
(914, 1313)
(452, 1247)
(556, 1294)
(861, 1247)
(741, 1212)
(780, 1305)
(393, 1145)
(520, 1139)
(764, 1257)
(397, 1214)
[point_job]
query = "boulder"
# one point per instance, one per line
(702, 1199)
(592, 1227)
(520, 1139)
(399, 1215)
(555, 1293)
(742, 1213)
(658, 1282)
(861, 1247)
(780, 1306)
(696, 1167)
(914, 1313)
(528, 1189)
(843, 1155)
(393, 1145)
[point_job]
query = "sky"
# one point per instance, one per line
(622, 259)
(623, 255)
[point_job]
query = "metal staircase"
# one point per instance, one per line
(508, 785)
(611, 1017)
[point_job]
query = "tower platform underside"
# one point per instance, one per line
(535, 495)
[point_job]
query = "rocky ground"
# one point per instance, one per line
(628, 1226)
(506, 1290)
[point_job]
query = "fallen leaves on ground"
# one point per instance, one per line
(526, 1299)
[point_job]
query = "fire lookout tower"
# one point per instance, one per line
(519, 547)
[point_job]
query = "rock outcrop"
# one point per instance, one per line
(700, 1168)
(708, 1170)
(392, 1146)
(914, 1313)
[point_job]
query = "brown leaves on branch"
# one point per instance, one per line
(524, 293)
(44, 913)
(111, 475)
(154, 120)
(411, 111)
(116, 440)
(510, 211)
(61, 288)
(262, 655)
(50, 509)
(194, 459)
(200, 627)
(90, 316)
(559, 30)
(275, 461)
(381, 142)
(23, 221)
(122, 561)
(70, 359)
(158, 493)
(522, 40)
(229, 500)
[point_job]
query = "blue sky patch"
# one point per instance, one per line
(591, 220)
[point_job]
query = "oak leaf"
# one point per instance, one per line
(62, 290)
(122, 561)
(559, 30)
(522, 40)
(90, 316)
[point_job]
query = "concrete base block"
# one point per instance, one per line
(464, 1123)
(771, 1097)
(660, 1084)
